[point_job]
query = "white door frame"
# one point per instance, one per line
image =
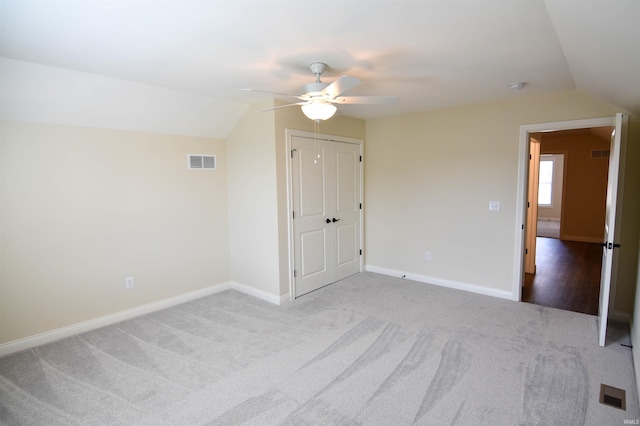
(289, 134)
(523, 174)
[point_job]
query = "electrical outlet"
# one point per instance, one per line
(427, 256)
(128, 282)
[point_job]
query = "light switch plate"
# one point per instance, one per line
(494, 206)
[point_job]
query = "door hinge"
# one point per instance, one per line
(292, 151)
(293, 213)
(522, 226)
(360, 206)
(526, 251)
(294, 273)
(360, 252)
(529, 156)
(361, 158)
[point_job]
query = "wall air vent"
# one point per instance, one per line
(201, 162)
(600, 153)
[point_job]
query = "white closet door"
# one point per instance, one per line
(345, 185)
(312, 235)
(326, 212)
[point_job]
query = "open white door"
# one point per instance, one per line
(611, 232)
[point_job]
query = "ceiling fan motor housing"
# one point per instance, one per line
(318, 67)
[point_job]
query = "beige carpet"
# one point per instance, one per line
(370, 350)
(548, 229)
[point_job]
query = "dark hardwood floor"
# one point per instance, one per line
(567, 276)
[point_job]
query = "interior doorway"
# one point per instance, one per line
(613, 207)
(570, 176)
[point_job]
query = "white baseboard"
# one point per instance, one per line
(441, 282)
(580, 239)
(617, 315)
(83, 327)
(260, 294)
(635, 353)
(621, 316)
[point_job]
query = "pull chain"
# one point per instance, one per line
(316, 131)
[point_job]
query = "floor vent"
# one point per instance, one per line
(613, 397)
(202, 162)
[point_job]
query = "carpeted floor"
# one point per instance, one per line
(548, 229)
(369, 350)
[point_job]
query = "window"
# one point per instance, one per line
(545, 182)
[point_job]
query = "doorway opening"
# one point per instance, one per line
(613, 208)
(571, 179)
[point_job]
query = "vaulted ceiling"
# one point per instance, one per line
(430, 54)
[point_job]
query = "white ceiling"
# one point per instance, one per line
(430, 53)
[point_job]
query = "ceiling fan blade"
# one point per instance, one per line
(288, 95)
(341, 85)
(282, 106)
(374, 100)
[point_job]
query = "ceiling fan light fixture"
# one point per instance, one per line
(319, 110)
(318, 98)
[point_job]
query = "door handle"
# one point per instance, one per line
(334, 220)
(610, 246)
(328, 220)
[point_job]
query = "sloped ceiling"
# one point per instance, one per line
(431, 54)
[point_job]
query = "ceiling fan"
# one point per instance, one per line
(317, 101)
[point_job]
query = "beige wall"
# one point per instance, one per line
(82, 208)
(585, 191)
(253, 208)
(429, 178)
(635, 325)
(630, 219)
